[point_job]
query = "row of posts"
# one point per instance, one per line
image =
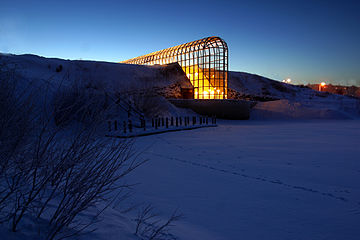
(162, 122)
(181, 121)
(126, 125)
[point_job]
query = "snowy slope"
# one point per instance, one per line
(100, 82)
(291, 101)
(108, 76)
(97, 78)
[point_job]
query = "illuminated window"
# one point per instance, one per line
(205, 63)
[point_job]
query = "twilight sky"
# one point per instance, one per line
(308, 41)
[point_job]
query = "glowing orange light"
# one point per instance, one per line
(204, 68)
(321, 86)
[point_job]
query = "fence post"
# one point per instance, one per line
(124, 126)
(109, 126)
(177, 121)
(129, 111)
(185, 121)
(130, 126)
(172, 121)
(200, 120)
(152, 122)
(115, 125)
(167, 122)
(143, 123)
(180, 121)
(162, 121)
(156, 123)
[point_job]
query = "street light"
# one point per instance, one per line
(322, 86)
(288, 80)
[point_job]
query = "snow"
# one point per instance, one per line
(286, 109)
(113, 78)
(257, 180)
(251, 180)
(281, 175)
(291, 101)
(101, 80)
(108, 76)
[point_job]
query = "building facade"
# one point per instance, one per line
(205, 63)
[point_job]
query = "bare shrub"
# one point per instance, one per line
(51, 172)
(149, 104)
(77, 102)
(143, 100)
(149, 226)
(15, 117)
(143, 217)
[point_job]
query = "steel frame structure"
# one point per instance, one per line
(204, 61)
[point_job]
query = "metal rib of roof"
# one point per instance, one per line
(180, 49)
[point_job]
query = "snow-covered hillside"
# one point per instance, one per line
(101, 82)
(114, 79)
(289, 101)
(108, 76)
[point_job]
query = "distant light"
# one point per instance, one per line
(321, 86)
(288, 80)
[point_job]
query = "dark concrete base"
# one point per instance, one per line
(226, 109)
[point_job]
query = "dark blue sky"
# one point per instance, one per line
(307, 41)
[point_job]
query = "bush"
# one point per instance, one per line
(52, 173)
(80, 103)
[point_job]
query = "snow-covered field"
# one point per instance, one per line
(288, 173)
(252, 180)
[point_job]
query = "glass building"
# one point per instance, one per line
(204, 61)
